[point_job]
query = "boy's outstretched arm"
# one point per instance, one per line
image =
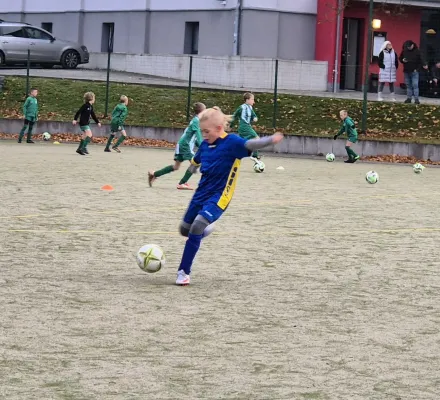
(261, 143)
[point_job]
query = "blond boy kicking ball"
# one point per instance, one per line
(219, 158)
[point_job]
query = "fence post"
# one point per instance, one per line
(367, 69)
(275, 96)
(188, 105)
(109, 56)
(28, 68)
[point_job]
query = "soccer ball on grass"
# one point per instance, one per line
(372, 177)
(46, 136)
(150, 258)
(259, 167)
(330, 157)
(418, 168)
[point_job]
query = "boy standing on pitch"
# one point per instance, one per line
(85, 113)
(30, 111)
(348, 127)
(119, 115)
(245, 115)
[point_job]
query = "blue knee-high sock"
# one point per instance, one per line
(189, 253)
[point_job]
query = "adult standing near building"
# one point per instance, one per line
(412, 63)
(388, 64)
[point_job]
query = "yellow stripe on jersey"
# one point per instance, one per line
(228, 192)
(194, 163)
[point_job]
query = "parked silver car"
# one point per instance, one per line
(16, 38)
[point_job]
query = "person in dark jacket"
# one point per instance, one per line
(85, 113)
(435, 79)
(412, 61)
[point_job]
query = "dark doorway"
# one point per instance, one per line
(350, 54)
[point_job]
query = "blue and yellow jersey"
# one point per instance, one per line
(220, 163)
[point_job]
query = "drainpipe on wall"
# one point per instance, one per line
(23, 11)
(338, 46)
(237, 23)
(81, 23)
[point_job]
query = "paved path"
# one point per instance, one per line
(124, 77)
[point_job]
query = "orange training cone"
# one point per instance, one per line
(108, 188)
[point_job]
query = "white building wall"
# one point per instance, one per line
(46, 6)
(295, 6)
(11, 7)
(173, 5)
(222, 72)
(43, 6)
(114, 5)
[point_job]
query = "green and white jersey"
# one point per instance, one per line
(245, 114)
(192, 136)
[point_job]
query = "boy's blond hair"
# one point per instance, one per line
(89, 96)
(123, 99)
(344, 111)
(216, 115)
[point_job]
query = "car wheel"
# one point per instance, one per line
(70, 59)
(2, 58)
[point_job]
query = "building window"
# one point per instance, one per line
(191, 38)
(47, 26)
(108, 29)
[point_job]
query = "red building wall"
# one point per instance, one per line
(399, 26)
(326, 28)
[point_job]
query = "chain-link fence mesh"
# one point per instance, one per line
(314, 109)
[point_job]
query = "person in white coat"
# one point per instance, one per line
(388, 64)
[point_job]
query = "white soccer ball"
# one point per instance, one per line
(46, 136)
(330, 157)
(418, 168)
(259, 167)
(150, 258)
(372, 177)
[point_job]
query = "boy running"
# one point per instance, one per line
(245, 115)
(30, 111)
(85, 113)
(219, 156)
(184, 150)
(348, 127)
(119, 115)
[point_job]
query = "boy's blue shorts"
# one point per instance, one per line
(209, 210)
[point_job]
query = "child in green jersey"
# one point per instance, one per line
(30, 111)
(119, 115)
(348, 127)
(245, 115)
(184, 150)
